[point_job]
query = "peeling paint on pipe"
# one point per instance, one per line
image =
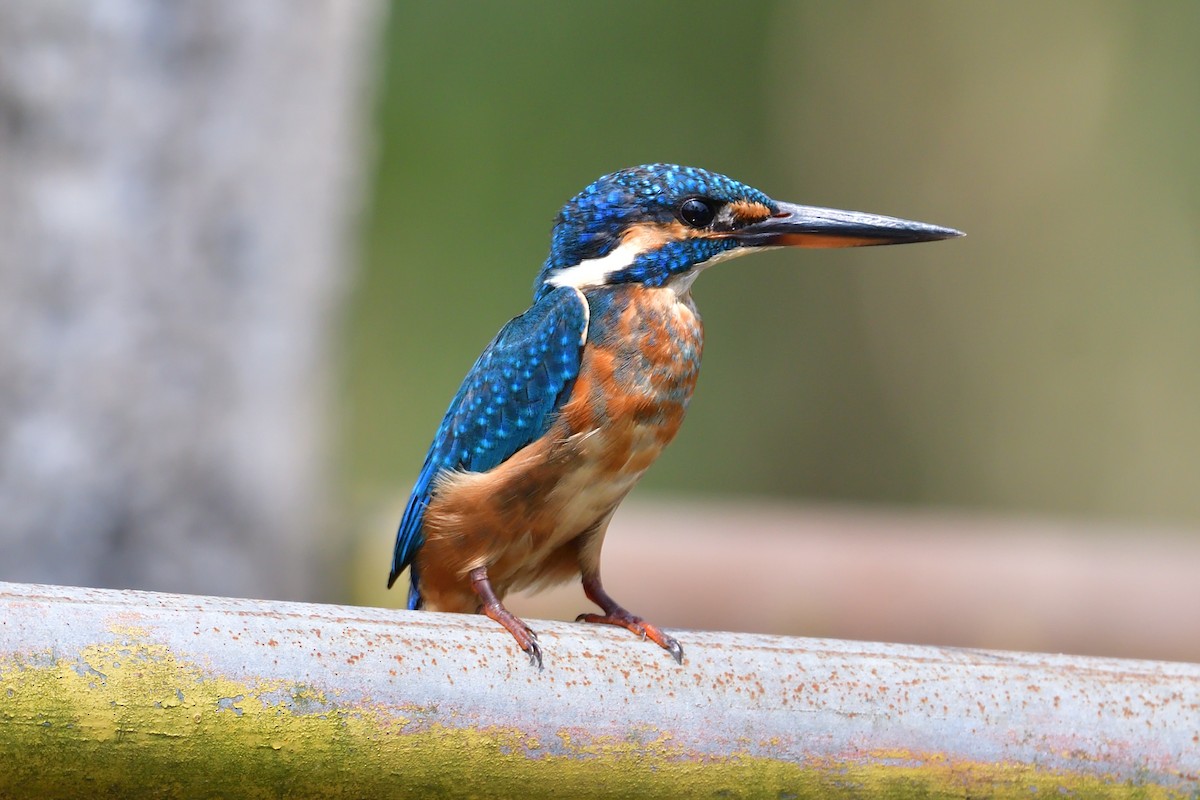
(136, 694)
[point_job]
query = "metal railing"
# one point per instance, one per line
(136, 694)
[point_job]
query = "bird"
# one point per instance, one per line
(573, 400)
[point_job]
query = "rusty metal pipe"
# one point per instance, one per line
(136, 694)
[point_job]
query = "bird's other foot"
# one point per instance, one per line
(495, 610)
(527, 641)
(526, 636)
(646, 630)
(615, 614)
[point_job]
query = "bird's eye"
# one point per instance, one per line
(696, 213)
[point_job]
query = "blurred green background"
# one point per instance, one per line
(1045, 364)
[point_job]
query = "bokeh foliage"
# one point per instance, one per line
(1046, 363)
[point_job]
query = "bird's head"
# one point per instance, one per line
(660, 224)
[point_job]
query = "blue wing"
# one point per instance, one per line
(507, 400)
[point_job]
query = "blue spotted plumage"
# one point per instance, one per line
(575, 398)
(504, 404)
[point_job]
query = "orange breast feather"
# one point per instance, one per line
(526, 520)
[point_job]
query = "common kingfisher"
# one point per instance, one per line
(575, 398)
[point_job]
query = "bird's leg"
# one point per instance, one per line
(491, 605)
(615, 614)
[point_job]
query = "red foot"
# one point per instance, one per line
(526, 638)
(614, 614)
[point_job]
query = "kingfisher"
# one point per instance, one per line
(573, 400)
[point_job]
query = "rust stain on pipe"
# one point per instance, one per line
(151, 695)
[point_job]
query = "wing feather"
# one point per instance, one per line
(508, 399)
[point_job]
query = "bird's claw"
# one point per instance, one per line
(535, 653)
(675, 649)
(528, 643)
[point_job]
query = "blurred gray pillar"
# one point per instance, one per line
(178, 185)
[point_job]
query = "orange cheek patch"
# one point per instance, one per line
(651, 236)
(747, 212)
(648, 236)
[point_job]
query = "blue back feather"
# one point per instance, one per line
(507, 400)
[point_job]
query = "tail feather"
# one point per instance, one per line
(414, 591)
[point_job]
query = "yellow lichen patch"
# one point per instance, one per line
(131, 719)
(903, 773)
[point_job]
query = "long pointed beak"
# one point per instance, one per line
(810, 226)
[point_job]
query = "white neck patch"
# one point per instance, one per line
(596, 271)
